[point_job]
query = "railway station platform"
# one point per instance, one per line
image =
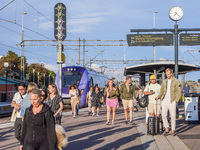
(90, 133)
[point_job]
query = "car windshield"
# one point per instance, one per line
(71, 77)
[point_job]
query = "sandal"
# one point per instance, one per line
(112, 122)
(172, 134)
(165, 133)
(107, 123)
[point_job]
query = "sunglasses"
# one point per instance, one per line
(43, 95)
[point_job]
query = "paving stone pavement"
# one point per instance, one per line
(87, 132)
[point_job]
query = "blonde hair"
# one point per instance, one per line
(31, 86)
(168, 69)
(109, 81)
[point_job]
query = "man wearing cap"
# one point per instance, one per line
(152, 89)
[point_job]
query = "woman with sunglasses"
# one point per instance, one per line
(44, 95)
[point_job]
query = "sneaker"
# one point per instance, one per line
(126, 122)
(97, 115)
(93, 115)
(74, 116)
(89, 113)
(131, 122)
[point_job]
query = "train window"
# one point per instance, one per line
(91, 82)
(70, 78)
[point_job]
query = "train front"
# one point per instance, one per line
(73, 75)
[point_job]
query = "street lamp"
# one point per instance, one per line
(34, 75)
(38, 78)
(49, 79)
(154, 26)
(6, 65)
(22, 48)
(44, 80)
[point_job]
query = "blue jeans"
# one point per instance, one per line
(77, 108)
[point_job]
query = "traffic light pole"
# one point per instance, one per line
(60, 66)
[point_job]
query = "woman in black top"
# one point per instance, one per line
(54, 100)
(38, 132)
(96, 97)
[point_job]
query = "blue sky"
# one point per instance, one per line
(93, 20)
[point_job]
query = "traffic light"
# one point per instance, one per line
(60, 21)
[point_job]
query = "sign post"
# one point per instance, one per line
(60, 35)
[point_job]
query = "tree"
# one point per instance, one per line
(14, 63)
(43, 74)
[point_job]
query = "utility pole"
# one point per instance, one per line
(79, 60)
(83, 51)
(22, 50)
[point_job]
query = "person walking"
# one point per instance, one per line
(96, 97)
(25, 103)
(78, 98)
(89, 99)
(73, 92)
(127, 93)
(111, 93)
(18, 97)
(152, 90)
(55, 102)
(38, 131)
(170, 94)
(44, 95)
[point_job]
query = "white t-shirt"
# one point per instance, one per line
(167, 95)
(156, 88)
(89, 96)
(74, 93)
(17, 98)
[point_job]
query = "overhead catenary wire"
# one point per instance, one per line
(45, 16)
(27, 51)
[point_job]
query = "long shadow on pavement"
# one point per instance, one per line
(95, 139)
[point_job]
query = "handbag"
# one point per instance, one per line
(143, 101)
(13, 116)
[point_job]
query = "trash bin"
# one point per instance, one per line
(192, 107)
(3, 97)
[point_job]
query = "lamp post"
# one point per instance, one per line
(22, 49)
(6, 65)
(154, 26)
(38, 78)
(44, 79)
(34, 75)
(49, 78)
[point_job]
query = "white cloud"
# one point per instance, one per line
(51, 67)
(46, 25)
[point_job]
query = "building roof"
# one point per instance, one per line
(148, 68)
(9, 80)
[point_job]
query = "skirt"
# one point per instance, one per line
(112, 102)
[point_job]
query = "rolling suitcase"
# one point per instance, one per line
(153, 124)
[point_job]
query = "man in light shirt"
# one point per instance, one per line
(16, 104)
(170, 94)
(152, 90)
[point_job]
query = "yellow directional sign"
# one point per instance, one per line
(63, 57)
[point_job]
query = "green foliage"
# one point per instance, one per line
(15, 64)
